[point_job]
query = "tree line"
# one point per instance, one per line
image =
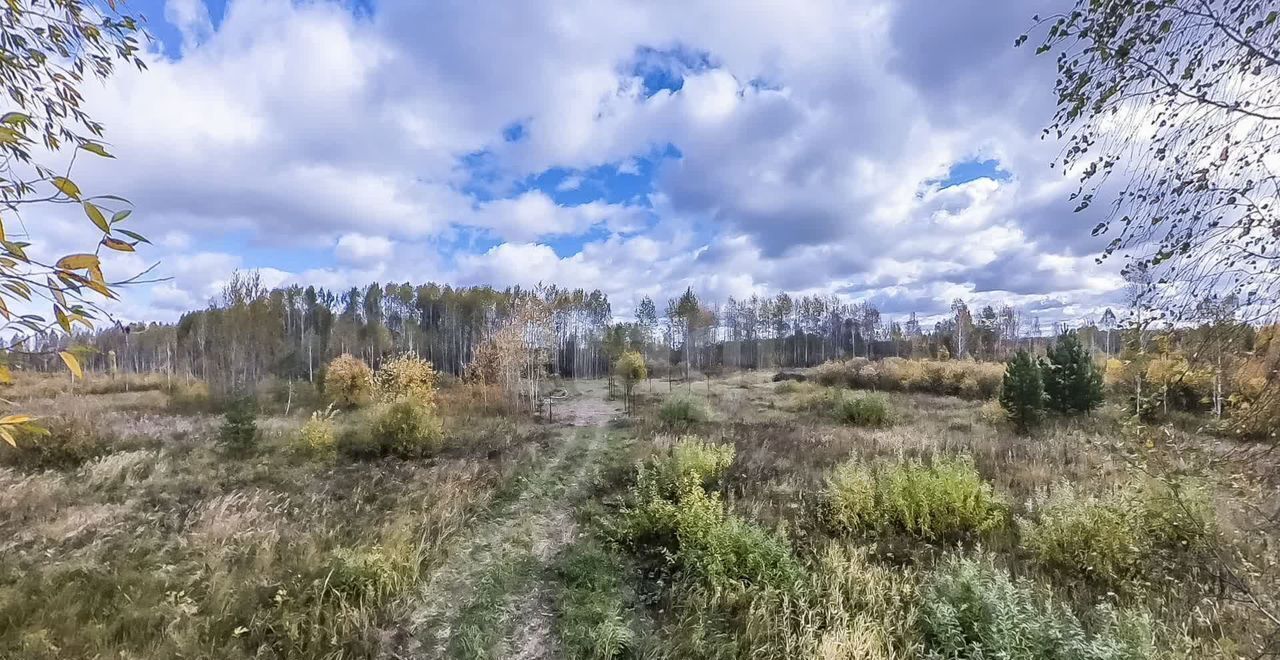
(250, 332)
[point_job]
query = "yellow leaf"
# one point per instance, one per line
(2, 236)
(117, 244)
(100, 288)
(95, 214)
(78, 261)
(4, 309)
(6, 376)
(14, 420)
(62, 319)
(72, 363)
(8, 437)
(67, 187)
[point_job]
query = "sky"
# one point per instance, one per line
(888, 151)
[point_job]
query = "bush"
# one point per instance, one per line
(1072, 384)
(689, 461)
(348, 382)
(316, 436)
(971, 609)
(56, 444)
(408, 429)
(1121, 539)
(944, 501)
(870, 411)
(695, 538)
(683, 409)
(406, 376)
(239, 431)
(1022, 395)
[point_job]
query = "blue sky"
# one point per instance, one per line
(817, 148)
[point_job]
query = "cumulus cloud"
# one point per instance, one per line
(802, 147)
(359, 249)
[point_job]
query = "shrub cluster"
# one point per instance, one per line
(683, 409)
(870, 410)
(946, 500)
(963, 378)
(971, 609)
(56, 444)
(673, 520)
(1122, 538)
(1067, 381)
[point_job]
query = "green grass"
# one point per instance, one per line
(592, 621)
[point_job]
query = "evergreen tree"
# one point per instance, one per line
(1022, 395)
(1072, 384)
(239, 432)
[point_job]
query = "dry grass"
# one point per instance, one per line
(166, 547)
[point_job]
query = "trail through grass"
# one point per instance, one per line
(491, 599)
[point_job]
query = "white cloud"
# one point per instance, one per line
(359, 249)
(804, 146)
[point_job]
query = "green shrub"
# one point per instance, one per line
(409, 429)
(870, 410)
(688, 462)
(1022, 394)
(682, 409)
(971, 609)
(239, 431)
(943, 501)
(56, 444)
(359, 443)
(695, 538)
(1120, 539)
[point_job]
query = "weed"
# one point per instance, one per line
(943, 501)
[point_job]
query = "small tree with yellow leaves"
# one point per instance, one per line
(406, 376)
(348, 381)
(631, 369)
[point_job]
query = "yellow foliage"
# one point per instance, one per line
(348, 381)
(406, 376)
(316, 437)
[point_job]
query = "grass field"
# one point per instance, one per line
(727, 518)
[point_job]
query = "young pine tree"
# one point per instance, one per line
(1072, 384)
(239, 432)
(1022, 395)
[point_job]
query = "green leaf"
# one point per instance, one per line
(95, 214)
(134, 235)
(18, 119)
(95, 148)
(121, 216)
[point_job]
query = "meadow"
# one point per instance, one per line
(725, 517)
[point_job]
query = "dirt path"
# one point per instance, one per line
(491, 599)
